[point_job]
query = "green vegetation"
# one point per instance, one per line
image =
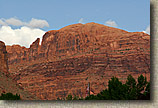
(9, 96)
(69, 97)
(131, 90)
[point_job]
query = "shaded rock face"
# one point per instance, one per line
(34, 50)
(7, 85)
(69, 58)
(3, 58)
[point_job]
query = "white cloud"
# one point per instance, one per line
(2, 22)
(14, 22)
(81, 20)
(34, 23)
(37, 23)
(111, 23)
(23, 36)
(147, 30)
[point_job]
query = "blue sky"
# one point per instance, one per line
(130, 15)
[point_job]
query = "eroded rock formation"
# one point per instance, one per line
(69, 58)
(7, 85)
(3, 58)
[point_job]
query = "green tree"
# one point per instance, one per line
(131, 88)
(142, 82)
(91, 97)
(69, 97)
(104, 95)
(59, 98)
(75, 98)
(9, 96)
(117, 90)
(147, 92)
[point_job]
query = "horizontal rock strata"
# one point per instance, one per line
(69, 58)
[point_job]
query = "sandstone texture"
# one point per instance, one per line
(69, 58)
(6, 83)
(3, 58)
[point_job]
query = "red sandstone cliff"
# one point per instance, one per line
(69, 58)
(7, 85)
(3, 58)
(75, 39)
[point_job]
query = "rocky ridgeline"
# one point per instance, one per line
(75, 39)
(69, 58)
(67, 41)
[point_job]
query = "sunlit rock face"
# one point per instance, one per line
(69, 58)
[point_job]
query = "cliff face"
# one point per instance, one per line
(69, 58)
(3, 58)
(67, 41)
(75, 39)
(34, 50)
(17, 54)
(6, 83)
